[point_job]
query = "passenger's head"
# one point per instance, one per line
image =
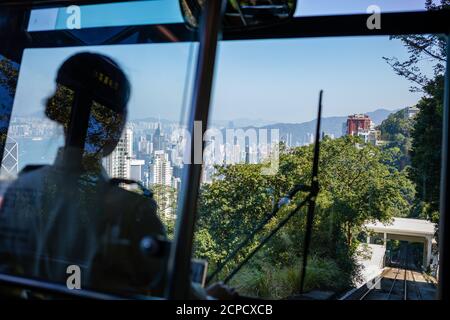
(96, 81)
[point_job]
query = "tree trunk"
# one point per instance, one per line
(349, 234)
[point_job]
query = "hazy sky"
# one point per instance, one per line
(275, 80)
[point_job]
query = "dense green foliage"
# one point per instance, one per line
(414, 145)
(422, 47)
(396, 132)
(357, 185)
(166, 198)
(427, 130)
(9, 73)
(426, 150)
(426, 133)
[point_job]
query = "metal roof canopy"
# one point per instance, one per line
(405, 226)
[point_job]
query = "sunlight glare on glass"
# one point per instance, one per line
(106, 15)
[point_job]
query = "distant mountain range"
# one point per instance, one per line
(241, 122)
(235, 123)
(301, 132)
(154, 119)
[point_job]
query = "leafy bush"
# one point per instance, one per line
(269, 282)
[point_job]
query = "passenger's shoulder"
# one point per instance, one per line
(31, 176)
(142, 208)
(120, 194)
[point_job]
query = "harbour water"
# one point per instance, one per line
(38, 150)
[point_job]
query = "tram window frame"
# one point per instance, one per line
(225, 267)
(398, 23)
(123, 35)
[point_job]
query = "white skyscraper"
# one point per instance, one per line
(145, 146)
(161, 171)
(118, 163)
(136, 169)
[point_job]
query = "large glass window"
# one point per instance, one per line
(94, 150)
(140, 176)
(157, 74)
(378, 206)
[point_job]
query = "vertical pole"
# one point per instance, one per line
(179, 265)
(312, 202)
(424, 255)
(429, 243)
(444, 221)
(78, 126)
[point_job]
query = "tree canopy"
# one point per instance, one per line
(426, 150)
(396, 133)
(357, 185)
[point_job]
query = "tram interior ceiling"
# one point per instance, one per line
(243, 14)
(191, 223)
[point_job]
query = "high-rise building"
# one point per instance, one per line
(358, 123)
(144, 146)
(309, 139)
(178, 171)
(374, 137)
(158, 139)
(362, 126)
(118, 163)
(10, 162)
(161, 171)
(136, 167)
(247, 153)
(411, 112)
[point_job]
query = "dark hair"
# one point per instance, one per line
(96, 75)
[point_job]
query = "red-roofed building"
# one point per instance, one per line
(358, 123)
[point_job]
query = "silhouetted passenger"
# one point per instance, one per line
(70, 213)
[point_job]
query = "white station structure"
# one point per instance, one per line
(405, 229)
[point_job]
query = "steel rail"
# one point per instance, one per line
(393, 284)
(405, 286)
(369, 290)
(418, 293)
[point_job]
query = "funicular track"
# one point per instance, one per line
(396, 283)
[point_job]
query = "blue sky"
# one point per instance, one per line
(273, 80)
(168, 11)
(324, 7)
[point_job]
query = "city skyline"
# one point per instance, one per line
(147, 152)
(142, 138)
